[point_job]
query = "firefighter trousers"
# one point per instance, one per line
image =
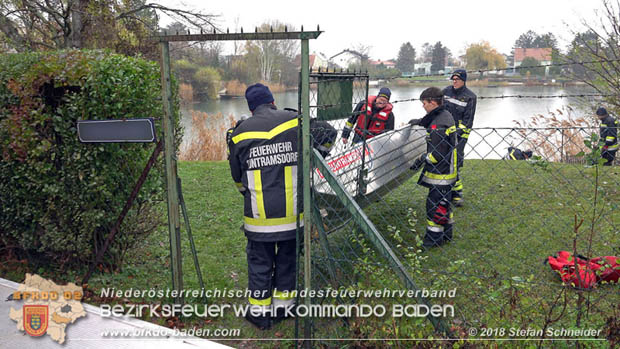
(457, 190)
(439, 217)
(271, 265)
(609, 156)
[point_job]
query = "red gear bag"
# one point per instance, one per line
(588, 272)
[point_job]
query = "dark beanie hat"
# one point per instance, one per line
(601, 111)
(385, 92)
(460, 73)
(258, 94)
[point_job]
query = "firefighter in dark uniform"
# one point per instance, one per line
(461, 103)
(371, 117)
(518, 154)
(263, 164)
(440, 172)
(608, 136)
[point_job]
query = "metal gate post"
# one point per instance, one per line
(305, 110)
(174, 222)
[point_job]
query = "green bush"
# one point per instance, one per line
(58, 197)
(207, 81)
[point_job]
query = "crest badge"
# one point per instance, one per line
(35, 319)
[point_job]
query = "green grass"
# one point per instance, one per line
(516, 214)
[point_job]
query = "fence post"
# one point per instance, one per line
(174, 221)
(305, 110)
(562, 147)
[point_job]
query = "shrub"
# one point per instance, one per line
(59, 198)
(207, 81)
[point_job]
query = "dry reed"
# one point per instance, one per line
(207, 138)
(186, 93)
(559, 135)
(235, 88)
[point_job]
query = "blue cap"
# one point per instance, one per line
(601, 111)
(258, 94)
(460, 73)
(385, 92)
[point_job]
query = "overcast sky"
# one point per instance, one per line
(386, 25)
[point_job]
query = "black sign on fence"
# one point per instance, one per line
(114, 131)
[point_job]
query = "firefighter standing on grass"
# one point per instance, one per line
(370, 118)
(461, 103)
(263, 164)
(608, 136)
(439, 173)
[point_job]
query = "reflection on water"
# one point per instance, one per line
(489, 112)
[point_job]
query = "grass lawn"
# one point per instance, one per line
(516, 214)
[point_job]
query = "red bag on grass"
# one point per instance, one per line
(588, 272)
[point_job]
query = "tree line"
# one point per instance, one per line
(125, 26)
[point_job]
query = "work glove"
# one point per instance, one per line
(417, 163)
(414, 122)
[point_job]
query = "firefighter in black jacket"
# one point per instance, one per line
(518, 154)
(461, 103)
(439, 173)
(371, 117)
(608, 136)
(263, 164)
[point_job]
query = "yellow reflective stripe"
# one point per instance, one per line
(458, 185)
(612, 147)
(432, 158)
(288, 188)
(512, 156)
(349, 125)
(433, 224)
(283, 295)
(440, 176)
(258, 188)
(266, 134)
(450, 129)
(610, 138)
(272, 221)
(239, 185)
(465, 135)
(327, 145)
(254, 301)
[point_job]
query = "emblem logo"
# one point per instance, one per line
(35, 319)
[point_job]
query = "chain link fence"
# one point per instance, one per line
(370, 222)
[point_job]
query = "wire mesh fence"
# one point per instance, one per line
(491, 275)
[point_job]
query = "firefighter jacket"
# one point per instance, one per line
(609, 133)
(440, 165)
(365, 116)
(516, 154)
(263, 164)
(461, 103)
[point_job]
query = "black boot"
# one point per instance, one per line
(432, 239)
(447, 233)
(282, 314)
(262, 322)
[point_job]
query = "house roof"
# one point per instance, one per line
(540, 54)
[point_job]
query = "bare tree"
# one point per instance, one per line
(57, 24)
(272, 55)
(599, 44)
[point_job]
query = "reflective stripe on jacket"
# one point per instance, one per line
(263, 163)
(440, 168)
(609, 133)
(461, 103)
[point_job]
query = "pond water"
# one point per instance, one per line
(497, 113)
